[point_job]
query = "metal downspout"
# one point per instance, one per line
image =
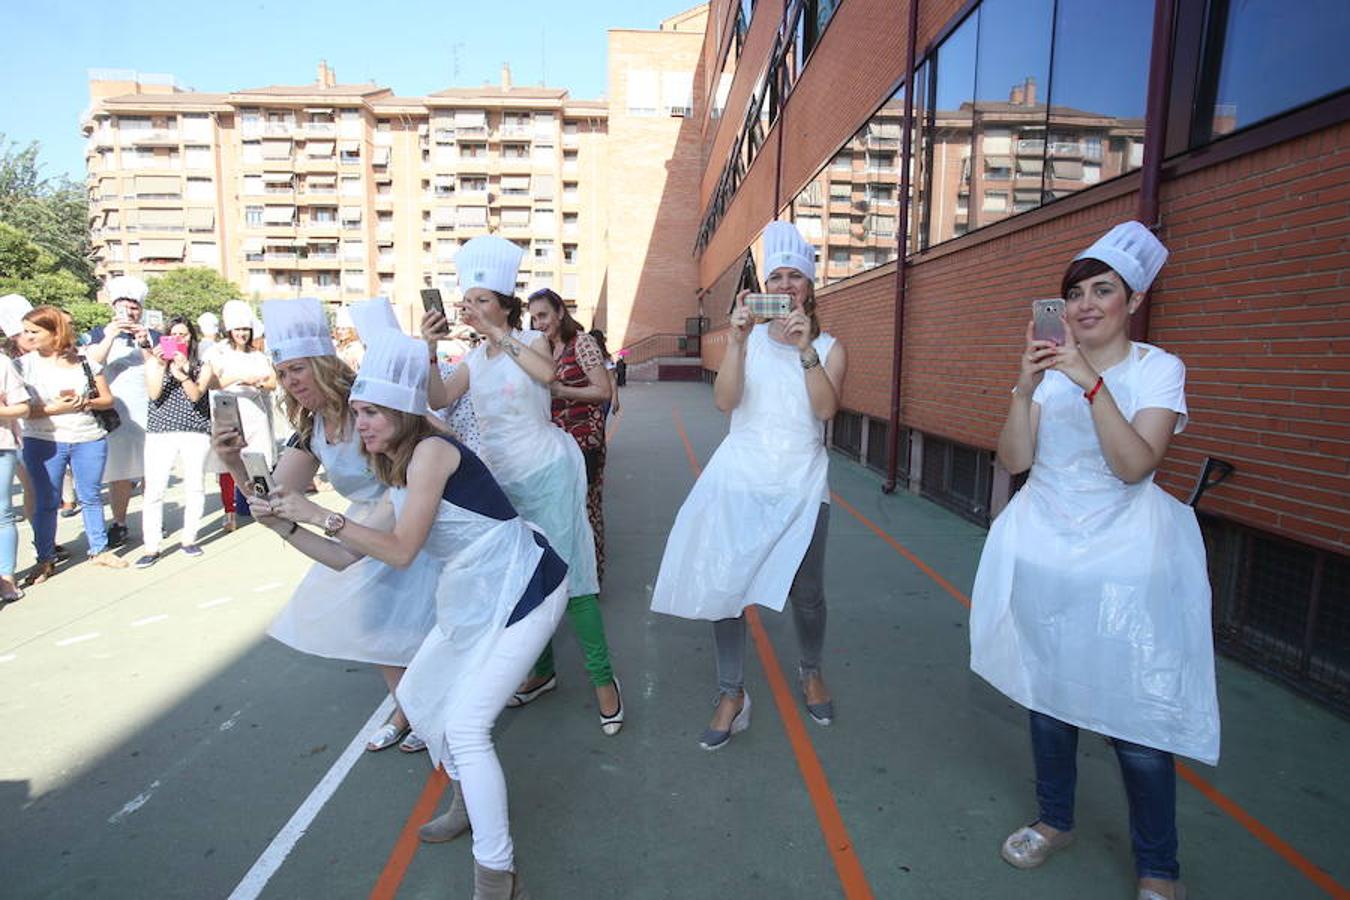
(1155, 135)
(902, 249)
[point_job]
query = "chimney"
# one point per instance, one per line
(1030, 97)
(506, 77)
(327, 78)
(1017, 95)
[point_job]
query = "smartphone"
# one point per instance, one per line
(1047, 317)
(225, 412)
(153, 319)
(431, 301)
(171, 347)
(259, 472)
(68, 392)
(769, 306)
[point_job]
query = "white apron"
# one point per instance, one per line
(485, 562)
(125, 371)
(537, 464)
(1092, 599)
(255, 406)
(742, 532)
(369, 612)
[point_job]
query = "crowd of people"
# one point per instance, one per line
(473, 460)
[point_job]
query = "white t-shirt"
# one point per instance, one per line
(12, 393)
(1160, 382)
(46, 380)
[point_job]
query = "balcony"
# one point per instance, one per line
(1030, 147)
(324, 130)
(1066, 149)
(516, 130)
(278, 129)
(154, 136)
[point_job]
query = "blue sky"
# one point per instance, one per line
(412, 47)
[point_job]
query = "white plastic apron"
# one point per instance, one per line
(1092, 599)
(124, 370)
(255, 406)
(741, 534)
(538, 465)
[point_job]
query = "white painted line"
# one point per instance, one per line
(216, 602)
(8, 657)
(133, 804)
(77, 639)
(266, 587)
(149, 620)
(256, 878)
(231, 721)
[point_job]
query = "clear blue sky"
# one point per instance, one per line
(411, 47)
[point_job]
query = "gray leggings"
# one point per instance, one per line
(808, 614)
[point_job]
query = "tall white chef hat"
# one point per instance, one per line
(209, 323)
(127, 287)
(488, 262)
(370, 317)
(236, 314)
(1133, 251)
(296, 328)
(343, 318)
(13, 307)
(393, 372)
(785, 246)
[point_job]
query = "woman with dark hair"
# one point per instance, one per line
(538, 466)
(65, 391)
(177, 427)
(581, 389)
(237, 368)
(500, 591)
(753, 528)
(1092, 603)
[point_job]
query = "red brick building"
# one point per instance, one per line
(1027, 128)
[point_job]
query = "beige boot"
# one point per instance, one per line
(494, 884)
(449, 824)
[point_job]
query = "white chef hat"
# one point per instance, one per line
(209, 323)
(488, 262)
(370, 317)
(1133, 251)
(13, 307)
(393, 372)
(785, 246)
(236, 314)
(127, 287)
(296, 329)
(259, 329)
(343, 318)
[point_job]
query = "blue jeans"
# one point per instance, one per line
(1150, 785)
(9, 535)
(46, 464)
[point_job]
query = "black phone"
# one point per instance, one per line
(431, 301)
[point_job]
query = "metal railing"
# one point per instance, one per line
(655, 346)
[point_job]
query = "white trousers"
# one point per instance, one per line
(473, 759)
(161, 449)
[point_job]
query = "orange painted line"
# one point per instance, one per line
(387, 885)
(1281, 847)
(846, 863)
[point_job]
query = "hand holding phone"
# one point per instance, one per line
(432, 302)
(1047, 317)
(169, 347)
(225, 413)
(259, 472)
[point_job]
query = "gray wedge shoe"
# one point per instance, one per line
(449, 824)
(495, 884)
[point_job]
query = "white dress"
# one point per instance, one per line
(1092, 599)
(742, 532)
(125, 372)
(255, 405)
(490, 562)
(536, 463)
(370, 612)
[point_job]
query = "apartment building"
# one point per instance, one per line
(345, 191)
(1032, 126)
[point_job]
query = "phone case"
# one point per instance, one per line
(225, 409)
(768, 306)
(1045, 315)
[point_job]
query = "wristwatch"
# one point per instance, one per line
(333, 523)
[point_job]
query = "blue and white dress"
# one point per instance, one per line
(493, 569)
(370, 612)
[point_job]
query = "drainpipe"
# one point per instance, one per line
(1155, 135)
(902, 249)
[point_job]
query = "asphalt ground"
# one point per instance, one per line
(157, 744)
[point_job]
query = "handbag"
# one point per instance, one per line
(108, 418)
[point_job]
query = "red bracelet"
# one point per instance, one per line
(1092, 394)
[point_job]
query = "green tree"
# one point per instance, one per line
(190, 292)
(26, 268)
(53, 213)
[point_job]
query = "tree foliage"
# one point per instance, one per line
(26, 268)
(190, 292)
(52, 213)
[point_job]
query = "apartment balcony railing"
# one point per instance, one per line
(1065, 148)
(278, 129)
(1030, 147)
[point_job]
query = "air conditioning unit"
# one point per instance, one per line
(679, 112)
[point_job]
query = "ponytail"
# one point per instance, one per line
(515, 310)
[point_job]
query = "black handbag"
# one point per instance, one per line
(108, 418)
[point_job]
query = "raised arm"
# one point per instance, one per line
(730, 381)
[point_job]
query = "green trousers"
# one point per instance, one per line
(584, 614)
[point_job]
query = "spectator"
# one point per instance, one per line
(208, 325)
(239, 369)
(13, 407)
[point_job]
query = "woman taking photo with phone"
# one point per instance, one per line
(177, 427)
(62, 429)
(500, 588)
(581, 390)
(753, 528)
(538, 466)
(369, 612)
(238, 369)
(1091, 605)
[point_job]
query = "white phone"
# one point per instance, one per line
(259, 472)
(225, 412)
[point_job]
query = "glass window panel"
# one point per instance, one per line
(947, 132)
(1276, 55)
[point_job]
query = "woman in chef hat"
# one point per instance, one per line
(237, 368)
(754, 525)
(1092, 602)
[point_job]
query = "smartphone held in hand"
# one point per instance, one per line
(225, 412)
(432, 302)
(1047, 318)
(170, 347)
(768, 306)
(259, 472)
